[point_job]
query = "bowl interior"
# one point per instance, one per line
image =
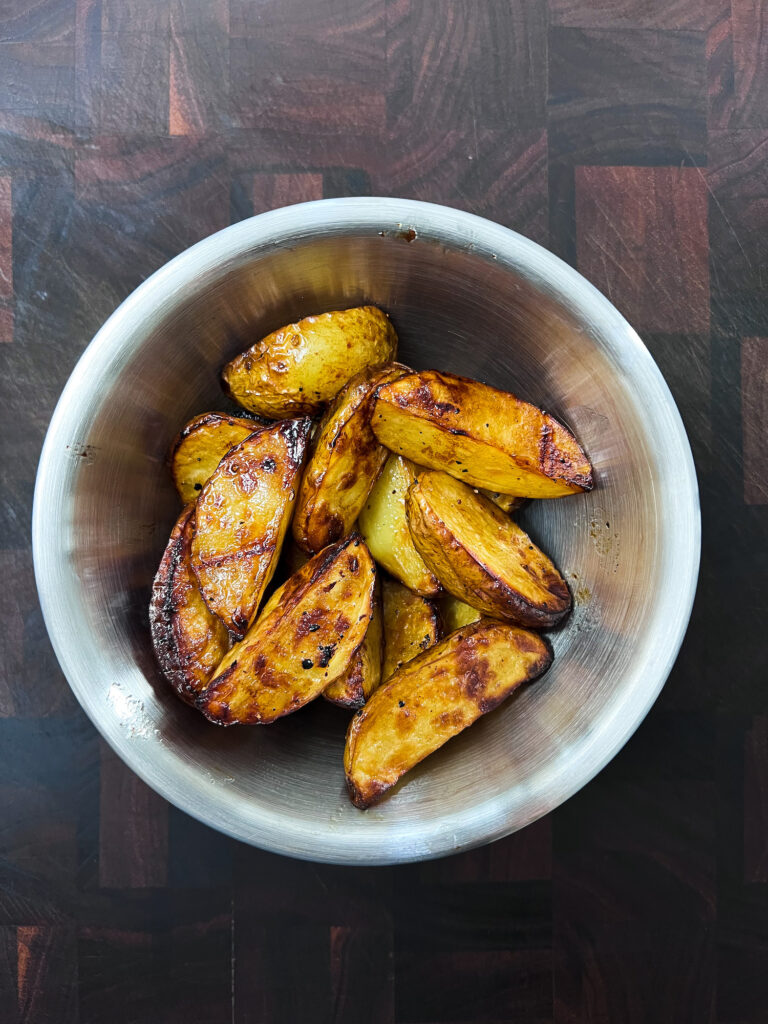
(467, 297)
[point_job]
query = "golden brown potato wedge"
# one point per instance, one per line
(363, 674)
(241, 518)
(344, 464)
(434, 697)
(384, 527)
(202, 444)
(303, 642)
(189, 641)
(295, 370)
(485, 437)
(411, 625)
(456, 613)
(482, 556)
(506, 502)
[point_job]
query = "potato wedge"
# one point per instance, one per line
(411, 625)
(384, 527)
(506, 502)
(363, 674)
(242, 515)
(295, 370)
(189, 641)
(485, 437)
(456, 613)
(434, 697)
(344, 465)
(482, 556)
(304, 642)
(202, 444)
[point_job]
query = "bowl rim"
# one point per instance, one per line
(387, 216)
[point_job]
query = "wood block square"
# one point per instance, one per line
(673, 15)
(754, 419)
(198, 80)
(133, 828)
(641, 238)
(308, 65)
(627, 97)
(133, 84)
(38, 80)
(494, 986)
(463, 65)
(738, 230)
(606, 973)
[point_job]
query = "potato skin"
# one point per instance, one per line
(301, 644)
(345, 462)
(241, 517)
(363, 674)
(189, 641)
(434, 697)
(483, 436)
(384, 526)
(411, 625)
(481, 556)
(294, 371)
(201, 445)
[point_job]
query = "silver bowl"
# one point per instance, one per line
(467, 296)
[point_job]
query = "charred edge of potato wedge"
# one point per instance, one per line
(364, 673)
(505, 443)
(202, 443)
(291, 654)
(255, 484)
(384, 527)
(433, 698)
(346, 460)
(411, 626)
(483, 557)
(189, 641)
(296, 369)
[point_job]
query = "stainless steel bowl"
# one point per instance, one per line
(467, 296)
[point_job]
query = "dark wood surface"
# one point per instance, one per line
(631, 137)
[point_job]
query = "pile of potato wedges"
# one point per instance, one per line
(349, 535)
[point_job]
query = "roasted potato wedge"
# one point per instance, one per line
(506, 502)
(434, 697)
(202, 444)
(304, 641)
(384, 527)
(344, 465)
(485, 437)
(363, 674)
(189, 641)
(411, 625)
(482, 556)
(295, 370)
(456, 613)
(241, 518)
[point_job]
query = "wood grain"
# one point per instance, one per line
(632, 138)
(646, 245)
